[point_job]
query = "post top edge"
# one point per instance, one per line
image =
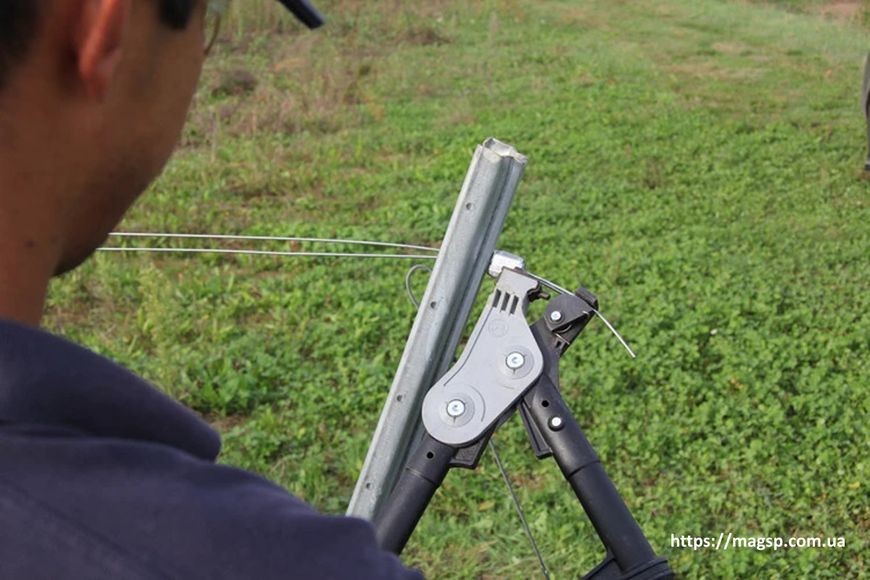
(503, 149)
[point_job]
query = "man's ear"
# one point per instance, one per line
(99, 33)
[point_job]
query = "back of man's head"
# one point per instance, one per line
(19, 20)
(93, 96)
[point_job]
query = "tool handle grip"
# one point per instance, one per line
(423, 474)
(617, 528)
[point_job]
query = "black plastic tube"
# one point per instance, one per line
(423, 474)
(617, 528)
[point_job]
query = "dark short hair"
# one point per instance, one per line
(17, 25)
(19, 20)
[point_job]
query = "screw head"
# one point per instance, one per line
(556, 316)
(556, 423)
(515, 360)
(455, 408)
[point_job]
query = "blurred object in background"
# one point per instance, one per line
(865, 103)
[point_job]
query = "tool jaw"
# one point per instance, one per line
(501, 361)
(504, 356)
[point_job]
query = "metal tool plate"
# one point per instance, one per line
(499, 363)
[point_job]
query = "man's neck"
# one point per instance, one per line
(23, 282)
(29, 244)
(30, 234)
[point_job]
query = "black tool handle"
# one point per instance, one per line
(423, 474)
(630, 555)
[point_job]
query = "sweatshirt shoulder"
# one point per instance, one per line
(189, 515)
(273, 533)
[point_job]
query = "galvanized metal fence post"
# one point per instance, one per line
(468, 246)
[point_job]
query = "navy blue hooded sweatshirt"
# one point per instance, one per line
(102, 476)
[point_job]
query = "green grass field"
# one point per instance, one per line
(696, 163)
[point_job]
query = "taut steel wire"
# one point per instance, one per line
(431, 255)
